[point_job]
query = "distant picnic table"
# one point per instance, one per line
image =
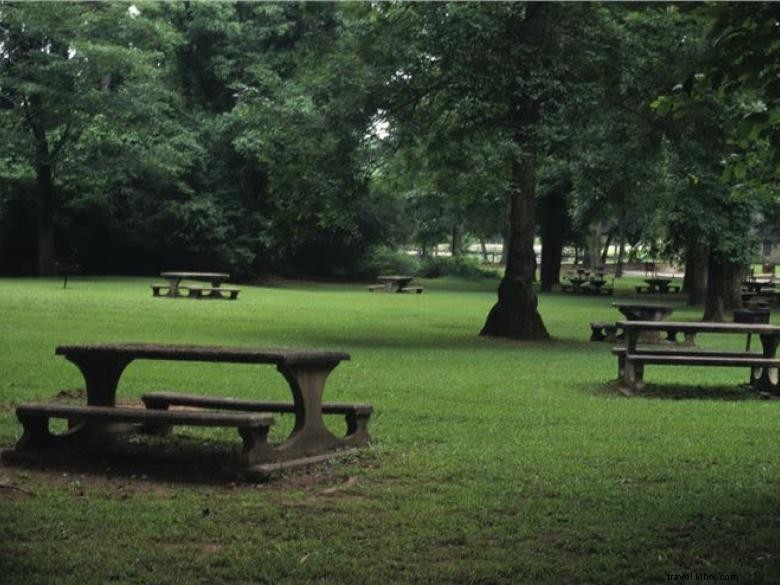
(758, 286)
(587, 282)
(174, 287)
(305, 370)
(658, 285)
(644, 311)
(395, 283)
(636, 311)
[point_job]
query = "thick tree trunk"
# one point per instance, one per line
(45, 222)
(621, 246)
(483, 249)
(607, 244)
(594, 248)
(515, 314)
(723, 288)
(456, 247)
(507, 230)
(553, 217)
(45, 200)
(695, 280)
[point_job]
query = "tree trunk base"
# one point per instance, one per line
(515, 315)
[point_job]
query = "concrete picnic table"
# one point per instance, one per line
(659, 284)
(763, 366)
(757, 286)
(174, 278)
(645, 312)
(305, 372)
(394, 282)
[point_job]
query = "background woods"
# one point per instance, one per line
(311, 138)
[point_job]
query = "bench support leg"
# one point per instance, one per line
(155, 428)
(256, 448)
(357, 429)
(767, 379)
(309, 436)
(597, 334)
(36, 432)
(633, 375)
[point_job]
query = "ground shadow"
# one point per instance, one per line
(180, 460)
(742, 392)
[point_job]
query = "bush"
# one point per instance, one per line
(383, 260)
(464, 266)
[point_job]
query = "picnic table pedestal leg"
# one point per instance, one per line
(102, 378)
(174, 282)
(631, 373)
(767, 378)
(309, 436)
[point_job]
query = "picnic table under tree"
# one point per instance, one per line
(633, 357)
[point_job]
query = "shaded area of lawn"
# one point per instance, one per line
(494, 462)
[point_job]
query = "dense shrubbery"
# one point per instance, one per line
(384, 260)
(467, 267)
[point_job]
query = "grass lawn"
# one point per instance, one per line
(494, 461)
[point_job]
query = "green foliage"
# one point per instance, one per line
(296, 137)
(384, 260)
(461, 266)
(745, 65)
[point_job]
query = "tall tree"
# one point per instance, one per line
(70, 73)
(441, 84)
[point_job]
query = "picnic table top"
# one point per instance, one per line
(394, 277)
(252, 355)
(702, 327)
(195, 275)
(659, 279)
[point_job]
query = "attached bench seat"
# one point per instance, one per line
(673, 288)
(206, 292)
(645, 356)
(587, 289)
(356, 415)
(605, 331)
(412, 289)
(253, 428)
(197, 292)
(161, 290)
(375, 287)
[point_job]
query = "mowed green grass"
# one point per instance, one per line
(494, 461)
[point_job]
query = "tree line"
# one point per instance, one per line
(298, 138)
